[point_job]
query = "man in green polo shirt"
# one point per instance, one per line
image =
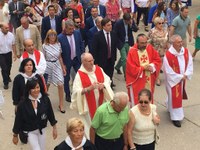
(109, 126)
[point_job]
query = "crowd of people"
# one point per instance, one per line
(62, 41)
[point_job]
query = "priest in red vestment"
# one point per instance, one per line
(142, 68)
(91, 87)
(177, 66)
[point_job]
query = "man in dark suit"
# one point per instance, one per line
(72, 48)
(104, 48)
(50, 22)
(101, 9)
(90, 22)
(92, 31)
(123, 29)
(16, 9)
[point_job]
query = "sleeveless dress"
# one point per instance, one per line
(54, 69)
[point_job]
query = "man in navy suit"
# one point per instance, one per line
(92, 31)
(101, 9)
(123, 29)
(72, 48)
(90, 22)
(50, 22)
(104, 48)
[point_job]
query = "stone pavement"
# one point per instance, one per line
(185, 138)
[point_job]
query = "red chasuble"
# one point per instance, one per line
(36, 53)
(178, 93)
(136, 78)
(90, 96)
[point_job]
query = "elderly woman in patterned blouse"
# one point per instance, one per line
(158, 37)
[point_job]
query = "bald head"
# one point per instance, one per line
(87, 61)
(29, 46)
(24, 22)
(4, 28)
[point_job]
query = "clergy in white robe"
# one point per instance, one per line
(91, 87)
(178, 67)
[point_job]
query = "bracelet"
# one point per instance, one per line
(133, 148)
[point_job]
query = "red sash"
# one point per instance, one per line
(36, 53)
(38, 10)
(90, 97)
(177, 92)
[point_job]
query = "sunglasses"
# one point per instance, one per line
(145, 102)
(52, 35)
(161, 23)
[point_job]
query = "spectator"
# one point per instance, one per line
(143, 8)
(32, 116)
(125, 35)
(16, 9)
(158, 37)
(72, 48)
(196, 35)
(27, 31)
(101, 9)
(27, 70)
(55, 69)
(161, 11)
(75, 4)
(69, 15)
(38, 11)
(7, 49)
(109, 125)
(52, 21)
(172, 12)
(113, 11)
(143, 119)
(181, 24)
(102, 48)
(75, 138)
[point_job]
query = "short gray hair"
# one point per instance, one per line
(97, 19)
(118, 97)
(69, 22)
(173, 38)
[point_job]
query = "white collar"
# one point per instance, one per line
(174, 52)
(69, 143)
(37, 99)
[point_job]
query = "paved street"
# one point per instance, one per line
(185, 138)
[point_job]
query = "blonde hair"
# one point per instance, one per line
(51, 31)
(157, 20)
(72, 123)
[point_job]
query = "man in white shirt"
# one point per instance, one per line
(37, 56)
(7, 46)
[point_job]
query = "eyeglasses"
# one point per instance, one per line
(145, 102)
(52, 35)
(161, 23)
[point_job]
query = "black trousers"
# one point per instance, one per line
(104, 144)
(109, 68)
(6, 64)
(150, 146)
(143, 11)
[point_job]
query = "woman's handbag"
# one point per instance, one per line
(23, 136)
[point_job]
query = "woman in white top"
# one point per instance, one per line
(143, 119)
